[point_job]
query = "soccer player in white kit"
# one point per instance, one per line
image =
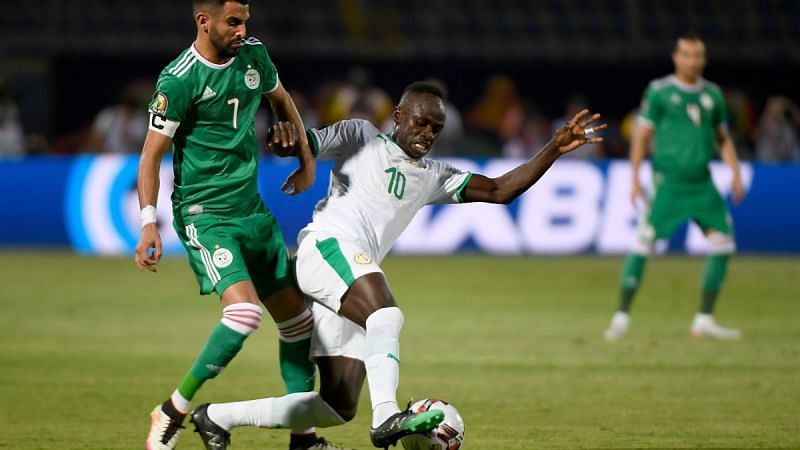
(377, 185)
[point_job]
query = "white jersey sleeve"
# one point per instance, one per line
(341, 138)
(451, 182)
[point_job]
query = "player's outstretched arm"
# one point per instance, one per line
(285, 109)
(329, 142)
(155, 146)
(509, 186)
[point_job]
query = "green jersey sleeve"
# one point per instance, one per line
(270, 73)
(651, 108)
(171, 100)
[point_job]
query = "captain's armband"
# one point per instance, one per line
(162, 125)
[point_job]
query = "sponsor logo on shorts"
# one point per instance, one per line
(362, 258)
(222, 257)
(159, 105)
(252, 79)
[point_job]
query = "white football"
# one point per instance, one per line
(449, 435)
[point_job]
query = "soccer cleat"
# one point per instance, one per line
(704, 325)
(214, 436)
(320, 444)
(402, 424)
(164, 431)
(618, 327)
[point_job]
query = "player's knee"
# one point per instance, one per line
(244, 318)
(643, 247)
(298, 327)
(721, 243)
(391, 317)
(384, 316)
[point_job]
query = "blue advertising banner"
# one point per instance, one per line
(89, 203)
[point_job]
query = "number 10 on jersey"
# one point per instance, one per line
(397, 183)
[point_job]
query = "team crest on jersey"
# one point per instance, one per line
(252, 79)
(705, 101)
(160, 103)
(362, 258)
(675, 99)
(222, 257)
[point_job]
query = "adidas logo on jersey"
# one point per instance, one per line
(207, 94)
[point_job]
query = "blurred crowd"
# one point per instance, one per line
(500, 122)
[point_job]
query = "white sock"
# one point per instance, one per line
(297, 411)
(382, 361)
(180, 403)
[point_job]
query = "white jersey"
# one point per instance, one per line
(375, 187)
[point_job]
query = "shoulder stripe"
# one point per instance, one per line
(184, 64)
(180, 62)
(186, 68)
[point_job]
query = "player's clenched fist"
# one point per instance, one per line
(150, 239)
(282, 138)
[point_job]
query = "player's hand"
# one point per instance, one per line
(149, 240)
(282, 138)
(301, 179)
(578, 131)
(637, 193)
(737, 190)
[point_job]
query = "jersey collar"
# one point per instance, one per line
(686, 87)
(209, 63)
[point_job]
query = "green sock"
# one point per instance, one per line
(223, 344)
(713, 276)
(631, 277)
(297, 369)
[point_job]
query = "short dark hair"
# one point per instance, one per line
(196, 4)
(423, 87)
(688, 36)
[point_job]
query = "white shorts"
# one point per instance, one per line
(335, 335)
(326, 266)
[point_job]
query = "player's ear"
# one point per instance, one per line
(202, 21)
(396, 115)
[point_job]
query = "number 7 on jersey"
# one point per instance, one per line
(235, 102)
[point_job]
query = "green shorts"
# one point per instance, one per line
(223, 251)
(675, 202)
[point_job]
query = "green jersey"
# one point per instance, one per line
(209, 110)
(685, 119)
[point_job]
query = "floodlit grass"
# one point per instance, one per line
(89, 346)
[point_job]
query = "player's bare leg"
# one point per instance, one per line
(369, 302)
(341, 380)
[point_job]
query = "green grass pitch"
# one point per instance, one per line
(89, 346)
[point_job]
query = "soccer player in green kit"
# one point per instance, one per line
(686, 117)
(203, 108)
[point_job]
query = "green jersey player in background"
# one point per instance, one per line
(204, 108)
(378, 183)
(686, 117)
